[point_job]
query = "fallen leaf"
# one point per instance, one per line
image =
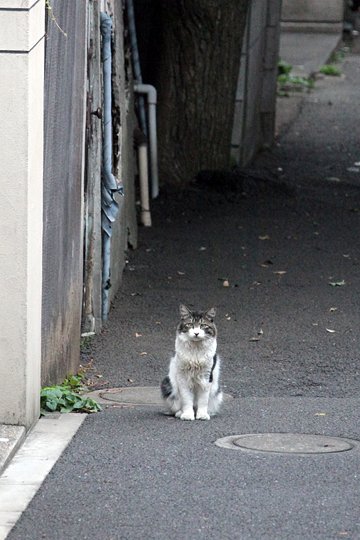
(337, 283)
(264, 237)
(254, 339)
(143, 353)
(130, 381)
(333, 309)
(203, 248)
(331, 331)
(320, 414)
(280, 272)
(226, 283)
(266, 264)
(137, 334)
(346, 255)
(260, 332)
(181, 273)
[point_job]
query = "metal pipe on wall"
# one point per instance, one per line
(136, 61)
(110, 186)
(150, 92)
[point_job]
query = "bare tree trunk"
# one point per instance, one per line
(196, 80)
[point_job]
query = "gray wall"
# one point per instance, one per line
(65, 83)
(125, 228)
(313, 15)
(255, 105)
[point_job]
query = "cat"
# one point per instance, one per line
(191, 389)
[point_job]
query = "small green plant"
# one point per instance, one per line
(330, 69)
(66, 397)
(284, 68)
(338, 55)
(288, 82)
(52, 17)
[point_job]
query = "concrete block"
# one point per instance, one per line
(21, 209)
(312, 10)
(21, 29)
(10, 438)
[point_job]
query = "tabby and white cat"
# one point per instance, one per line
(191, 390)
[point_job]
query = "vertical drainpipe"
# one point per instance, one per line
(109, 186)
(136, 61)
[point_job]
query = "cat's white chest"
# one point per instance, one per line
(195, 359)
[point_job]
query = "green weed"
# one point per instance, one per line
(66, 397)
(330, 69)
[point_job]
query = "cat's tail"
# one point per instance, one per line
(168, 395)
(215, 401)
(166, 388)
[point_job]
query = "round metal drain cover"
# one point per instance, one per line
(287, 443)
(136, 395)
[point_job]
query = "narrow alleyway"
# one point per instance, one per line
(287, 245)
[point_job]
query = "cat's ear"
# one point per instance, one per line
(185, 312)
(210, 313)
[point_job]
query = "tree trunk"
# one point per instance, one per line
(196, 78)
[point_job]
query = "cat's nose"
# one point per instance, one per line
(196, 334)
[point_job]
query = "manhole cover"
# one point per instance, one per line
(139, 395)
(287, 443)
(136, 395)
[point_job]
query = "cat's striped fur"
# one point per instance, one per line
(191, 390)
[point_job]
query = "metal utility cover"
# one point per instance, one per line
(287, 443)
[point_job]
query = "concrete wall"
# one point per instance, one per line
(313, 15)
(255, 105)
(21, 175)
(65, 92)
(125, 228)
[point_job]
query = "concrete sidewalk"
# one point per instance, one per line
(284, 234)
(306, 53)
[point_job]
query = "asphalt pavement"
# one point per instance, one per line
(275, 248)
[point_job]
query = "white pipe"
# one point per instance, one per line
(145, 216)
(150, 92)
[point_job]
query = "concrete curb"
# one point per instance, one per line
(11, 437)
(32, 463)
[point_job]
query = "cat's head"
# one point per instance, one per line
(196, 325)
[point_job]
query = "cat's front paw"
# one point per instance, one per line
(187, 415)
(202, 415)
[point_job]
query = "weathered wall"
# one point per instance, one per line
(21, 175)
(255, 104)
(313, 15)
(65, 85)
(125, 227)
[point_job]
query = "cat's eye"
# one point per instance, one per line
(187, 326)
(205, 326)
